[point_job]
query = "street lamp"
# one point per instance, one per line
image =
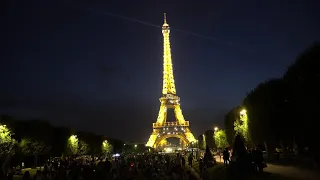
(243, 112)
(3, 128)
(135, 145)
(216, 129)
(73, 144)
(4, 132)
(73, 138)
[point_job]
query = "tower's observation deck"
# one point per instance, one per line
(170, 124)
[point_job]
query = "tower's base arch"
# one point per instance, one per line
(182, 137)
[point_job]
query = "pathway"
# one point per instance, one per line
(193, 172)
(292, 172)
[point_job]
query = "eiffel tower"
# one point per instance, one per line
(169, 100)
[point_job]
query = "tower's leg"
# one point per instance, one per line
(162, 116)
(189, 135)
(181, 120)
(161, 119)
(153, 137)
(178, 113)
(181, 144)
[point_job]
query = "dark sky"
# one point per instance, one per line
(77, 63)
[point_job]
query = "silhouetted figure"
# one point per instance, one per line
(178, 160)
(242, 162)
(257, 158)
(226, 156)
(201, 165)
(208, 159)
(38, 175)
(26, 176)
(10, 176)
(183, 162)
(107, 165)
(190, 159)
(190, 176)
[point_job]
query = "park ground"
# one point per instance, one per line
(272, 172)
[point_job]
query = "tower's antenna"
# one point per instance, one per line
(165, 18)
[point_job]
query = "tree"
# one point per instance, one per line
(42, 132)
(33, 147)
(209, 134)
(83, 148)
(7, 146)
(106, 148)
(202, 142)
(30, 147)
(7, 143)
(60, 143)
(208, 158)
(266, 107)
(303, 78)
(241, 125)
(229, 119)
(243, 163)
(220, 139)
(282, 111)
(73, 145)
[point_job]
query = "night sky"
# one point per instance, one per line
(83, 64)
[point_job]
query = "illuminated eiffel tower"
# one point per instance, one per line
(169, 100)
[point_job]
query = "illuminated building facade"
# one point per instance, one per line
(169, 100)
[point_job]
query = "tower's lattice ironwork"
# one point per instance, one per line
(169, 100)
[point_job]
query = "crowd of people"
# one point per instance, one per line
(254, 157)
(124, 167)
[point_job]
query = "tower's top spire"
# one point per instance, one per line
(165, 19)
(168, 79)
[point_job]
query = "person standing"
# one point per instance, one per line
(190, 159)
(226, 157)
(201, 165)
(183, 161)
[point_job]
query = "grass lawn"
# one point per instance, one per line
(217, 172)
(32, 173)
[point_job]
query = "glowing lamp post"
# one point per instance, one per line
(73, 139)
(243, 112)
(105, 143)
(5, 134)
(3, 128)
(244, 127)
(73, 144)
(216, 129)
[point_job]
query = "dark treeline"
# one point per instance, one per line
(39, 139)
(283, 113)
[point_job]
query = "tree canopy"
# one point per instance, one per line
(37, 138)
(7, 143)
(283, 111)
(220, 139)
